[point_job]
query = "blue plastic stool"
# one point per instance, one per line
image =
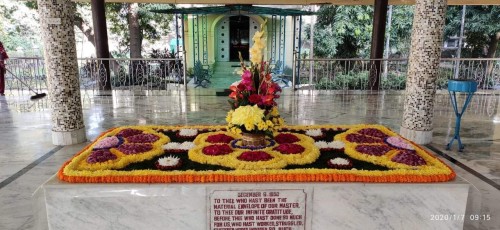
(465, 86)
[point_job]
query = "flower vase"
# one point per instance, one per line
(253, 139)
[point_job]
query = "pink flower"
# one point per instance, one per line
(247, 75)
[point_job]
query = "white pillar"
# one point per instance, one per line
(423, 67)
(56, 22)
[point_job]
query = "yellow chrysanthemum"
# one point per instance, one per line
(262, 126)
(249, 127)
(247, 115)
(270, 123)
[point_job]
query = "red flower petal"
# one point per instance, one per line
(255, 156)
(101, 155)
(143, 138)
(289, 148)
(129, 132)
(373, 132)
(375, 150)
(219, 138)
(134, 148)
(358, 138)
(286, 138)
(408, 157)
(216, 150)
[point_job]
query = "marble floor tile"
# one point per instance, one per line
(25, 134)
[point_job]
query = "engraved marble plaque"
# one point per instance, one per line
(270, 209)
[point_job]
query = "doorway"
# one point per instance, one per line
(239, 37)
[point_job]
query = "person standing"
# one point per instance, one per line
(3, 70)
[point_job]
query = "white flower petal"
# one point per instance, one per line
(339, 161)
(314, 132)
(171, 145)
(168, 161)
(187, 145)
(188, 132)
(321, 144)
(336, 145)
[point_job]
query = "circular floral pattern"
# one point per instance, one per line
(255, 156)
(288, 148)
(380, 146)
(301, 152)
(101, 155)
(129, 132)
(217, 149)
(219, 138)
(283, 138)
(143, 138)
(134, 148)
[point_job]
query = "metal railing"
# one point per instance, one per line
(354, 74)
(124, 74)
(316, 74)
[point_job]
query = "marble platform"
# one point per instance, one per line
(61, 205)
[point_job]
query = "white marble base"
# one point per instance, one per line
(419, 137)
(69, 138)
(61, 205)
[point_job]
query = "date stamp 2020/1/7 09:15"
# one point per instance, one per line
(460, 217)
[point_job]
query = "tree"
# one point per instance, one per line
(345, 31)
(125, 20)
(19, 28)
(400, 33)
(482, 30)
(134, 22)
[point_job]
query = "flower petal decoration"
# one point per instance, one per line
(188, 132)
(302, 151)
(219, 138)
(109, 142)
(101, 155)
(396, 165)
(366, 143)
(168, 163)
(126, 153)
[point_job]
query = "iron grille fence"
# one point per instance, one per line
(316, 74)
(354, 74)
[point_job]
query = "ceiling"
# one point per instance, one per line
(305, 2)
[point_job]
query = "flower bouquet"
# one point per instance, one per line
(254, 112)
